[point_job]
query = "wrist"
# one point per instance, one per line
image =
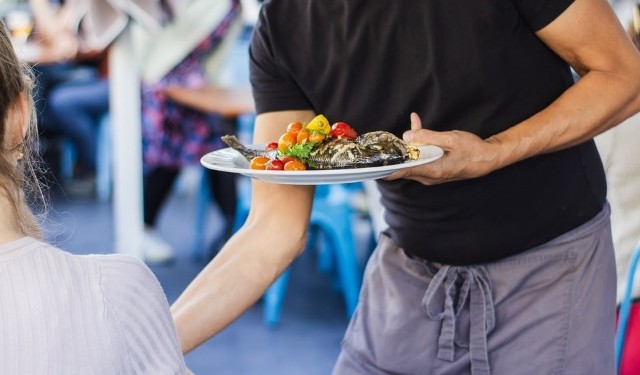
(499, 151)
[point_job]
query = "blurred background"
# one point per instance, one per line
(110, 76)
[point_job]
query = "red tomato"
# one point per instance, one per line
(295, 165)
(287, 159)
(286, 140)
(271, 146)
(342, 129)
(275, 165)
(259, 162)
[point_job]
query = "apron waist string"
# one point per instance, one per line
(459, 286)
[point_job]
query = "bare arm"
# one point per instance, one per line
(46, 17)
(273, 235)
(55, 39)
(589, 37)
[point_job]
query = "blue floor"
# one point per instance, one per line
(313, 319)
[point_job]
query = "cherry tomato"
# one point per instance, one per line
(275, 165)
(271, 146)
(286, 140)
(303, 136)
(316, 137)
(342, 129)
(295, 165)
(294, 128)
(259, 162)
(287, 159)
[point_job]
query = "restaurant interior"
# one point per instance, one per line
(298, 325)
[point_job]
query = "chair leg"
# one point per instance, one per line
(330, 220)
(202, 207)
(325, 255)
(343, 244)
(104, 164)
(273, 299)
(67, 159)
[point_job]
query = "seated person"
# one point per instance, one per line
(174, 135)
(64, 313)
(76, 109)
(71, 92)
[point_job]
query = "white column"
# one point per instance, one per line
(124, 102)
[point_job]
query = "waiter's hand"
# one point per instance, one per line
(465, 155)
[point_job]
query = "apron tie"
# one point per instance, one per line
(459, 285)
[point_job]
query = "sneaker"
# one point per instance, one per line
(155, 249)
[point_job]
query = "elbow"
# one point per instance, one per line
(262, 249)
(283, 237)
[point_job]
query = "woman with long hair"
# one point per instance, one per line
(62, 313)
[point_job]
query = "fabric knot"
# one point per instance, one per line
(459, 285)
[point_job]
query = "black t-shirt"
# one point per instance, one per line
(473, 65)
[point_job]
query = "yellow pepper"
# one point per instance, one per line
(319, 124)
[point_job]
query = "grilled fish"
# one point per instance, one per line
(368, 150)
(248, 152)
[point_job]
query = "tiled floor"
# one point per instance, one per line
(313, 321)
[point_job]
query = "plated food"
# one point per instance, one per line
(318, 145)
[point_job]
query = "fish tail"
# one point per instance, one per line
(233, 142)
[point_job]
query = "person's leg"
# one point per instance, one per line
(49, 76)
(157, 184)
(561, 317)
(76, 108)
(224, 192)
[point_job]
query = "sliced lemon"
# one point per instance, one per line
(319, 124)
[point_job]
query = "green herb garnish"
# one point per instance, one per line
(299, 151)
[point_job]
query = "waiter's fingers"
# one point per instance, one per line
(416, 123)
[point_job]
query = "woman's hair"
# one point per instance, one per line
(19, 182)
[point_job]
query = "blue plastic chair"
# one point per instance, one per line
(331, 221)
(104, 172)
(331, 218)
(625, 306)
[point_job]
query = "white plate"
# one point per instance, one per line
(230, 160)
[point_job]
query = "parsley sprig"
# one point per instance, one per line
(299, 151)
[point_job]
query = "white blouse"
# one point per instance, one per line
(82, 314)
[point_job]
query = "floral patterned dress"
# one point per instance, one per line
(174, 135)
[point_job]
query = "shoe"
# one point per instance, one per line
(154, 249)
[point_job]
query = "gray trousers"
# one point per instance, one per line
(550, 310)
